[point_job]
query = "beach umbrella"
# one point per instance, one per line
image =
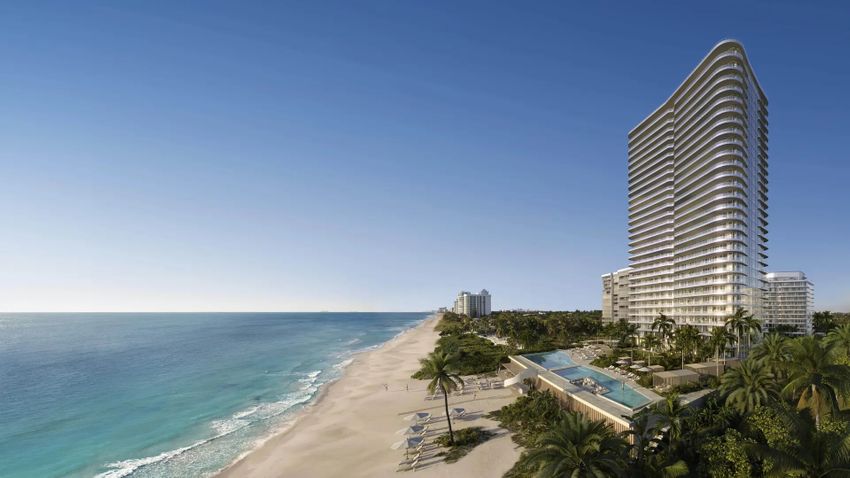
(418, 416)
(634, 367)
(411, 430)
(407, 444)
(622, 362)
(645, 369)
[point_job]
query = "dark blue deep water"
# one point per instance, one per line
(163, 395)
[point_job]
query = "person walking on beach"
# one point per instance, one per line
(386, 387)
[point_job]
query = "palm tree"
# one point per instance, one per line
(578, 447)
(773, 352)
(643, 431)
(687, 338)
(751, 325)
(671, 414)
(812, 453)
(814, 379)
(658, 465)
(665, 327)
(650, 341)
(719, 339)
(737, 322)
(840, 336)
(748, 386)
(441, 368)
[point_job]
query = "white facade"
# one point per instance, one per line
(472, 305)
(789, 301)
(698, 197)
(615, 295)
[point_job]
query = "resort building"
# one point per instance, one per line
(789, 301)
(472, 305)
(615, 296)
(698, 197)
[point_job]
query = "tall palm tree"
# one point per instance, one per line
(441, 368)
(749, 386)
(687, 338)
(720, 337)
(665, 327)
(751, 325)
(578, 447)
(813, 452)
(650, 341)
(737, 322)
(773, 352)
(815, 380)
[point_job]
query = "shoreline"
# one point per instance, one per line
(350, 425)
(292, 421)
(323, 392)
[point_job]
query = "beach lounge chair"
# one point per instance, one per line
(498, 384)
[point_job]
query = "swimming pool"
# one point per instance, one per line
(551, 360)
(618, 391)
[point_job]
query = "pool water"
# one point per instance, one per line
(618, 391)
(551, 360)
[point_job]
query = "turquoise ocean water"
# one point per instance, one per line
(164, 395)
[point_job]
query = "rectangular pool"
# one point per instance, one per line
(619, 391)
(551, 360)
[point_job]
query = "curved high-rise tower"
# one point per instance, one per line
(698, 197)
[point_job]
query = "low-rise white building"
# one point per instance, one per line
(789, 300)
(472, 305)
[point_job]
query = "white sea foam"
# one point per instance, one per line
(222, 428)
(344, 363)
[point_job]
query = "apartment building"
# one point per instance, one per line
(789, 301)
(615, 295)
(698, 197)
(472, 305)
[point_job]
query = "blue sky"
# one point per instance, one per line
(378, 155)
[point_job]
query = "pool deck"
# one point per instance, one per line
(652, 396)
(614, 410)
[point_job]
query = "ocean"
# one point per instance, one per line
(168, 394)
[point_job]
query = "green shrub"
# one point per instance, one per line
(529, 416)
(476, 355)
(465, 440)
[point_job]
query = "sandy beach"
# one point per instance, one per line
(348, 432)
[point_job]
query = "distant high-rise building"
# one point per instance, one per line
(698, 197)
(789, 301)
(472, 305)
(615, 295)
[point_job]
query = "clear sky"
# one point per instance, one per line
(379, 155)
